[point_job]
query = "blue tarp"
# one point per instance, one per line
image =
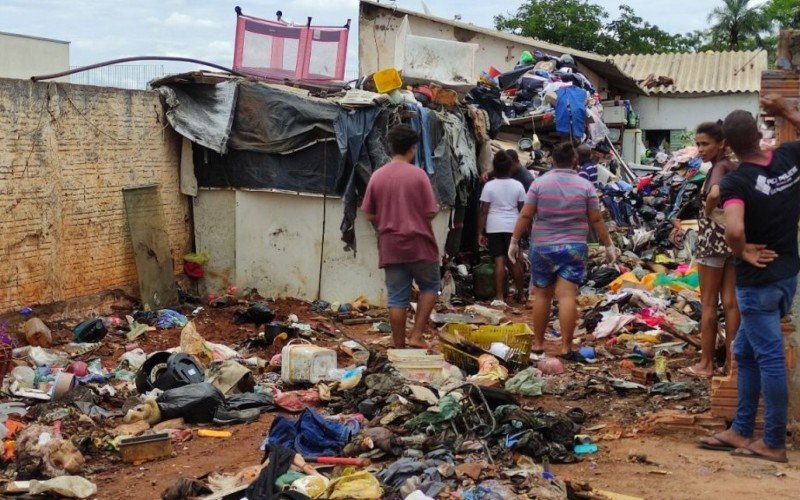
(571, 111)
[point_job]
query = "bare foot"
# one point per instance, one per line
(421, 344)
(417, 342)
(726, 438)
(759, 449)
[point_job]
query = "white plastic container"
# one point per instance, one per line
(306, 362)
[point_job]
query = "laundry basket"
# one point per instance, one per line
(517, 336)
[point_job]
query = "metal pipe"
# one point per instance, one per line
(135, 58)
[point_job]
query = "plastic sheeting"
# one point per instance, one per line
(315, 169)
(202, 113)
(270, 120)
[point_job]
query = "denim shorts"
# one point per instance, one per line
(550, 261)
(400, 276)
(715, 262)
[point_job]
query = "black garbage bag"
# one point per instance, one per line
(601, 276)
(248, 400)
(91, 330)
(196, 403)
(257, 314)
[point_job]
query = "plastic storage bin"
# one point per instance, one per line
(306, 362)
(417, 364)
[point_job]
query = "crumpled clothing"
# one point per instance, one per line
(611, 323)
(680, 322)
(311, 435)
(489, 490)
(167, 318)
(229, 377)
(383, 384)
(397, 473)
(448, 410)
(490, 371)
(651, 317)
(280, 460)
(526, 383)
(297, 401)
(670, 388)
(536, 433)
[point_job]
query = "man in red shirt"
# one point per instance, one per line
(400, 203)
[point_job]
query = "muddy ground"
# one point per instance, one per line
(673, 468)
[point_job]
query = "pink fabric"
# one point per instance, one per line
(733, 201)
(401, 198)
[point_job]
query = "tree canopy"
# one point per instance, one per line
(583, 25)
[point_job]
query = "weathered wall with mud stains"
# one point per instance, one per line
(66, 153)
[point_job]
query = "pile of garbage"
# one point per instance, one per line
(374, 423)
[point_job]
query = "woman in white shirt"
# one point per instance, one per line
(501, 200)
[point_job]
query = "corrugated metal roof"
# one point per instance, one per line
(702, 73)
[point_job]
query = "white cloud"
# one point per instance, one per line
(177, 19)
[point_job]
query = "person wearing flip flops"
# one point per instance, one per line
(501, 200)
(760, 200)
(559, 208)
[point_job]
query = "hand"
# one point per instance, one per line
(612, 254)
(757, 255)
(775, 105)
(483, 241)
(513, 250)
(485, 177)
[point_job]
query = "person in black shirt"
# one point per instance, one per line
(518, 172)
(761, 200)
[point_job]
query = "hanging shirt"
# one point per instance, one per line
(503, 197)
(770, 195)
(571, 111)
(562, 200)
(400, 196)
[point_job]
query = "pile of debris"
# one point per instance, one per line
(376, 423)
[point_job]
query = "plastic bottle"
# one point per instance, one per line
(661, 367)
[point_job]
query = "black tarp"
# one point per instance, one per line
(302, 171)
(269, 120)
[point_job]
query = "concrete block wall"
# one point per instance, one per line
(66, 154)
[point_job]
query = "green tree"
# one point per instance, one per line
(582, 25)
(737, 24)
(630, 34)
(574, 23)
(784, 14)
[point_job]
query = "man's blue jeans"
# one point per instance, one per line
(761, 361)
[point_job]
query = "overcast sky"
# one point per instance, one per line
(204, 29)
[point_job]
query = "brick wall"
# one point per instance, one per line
(66, 153)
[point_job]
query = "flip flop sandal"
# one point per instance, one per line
(573, 356)
(691, 372)
(723, 446)
(750, 453)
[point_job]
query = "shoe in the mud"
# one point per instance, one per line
(229, 417)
